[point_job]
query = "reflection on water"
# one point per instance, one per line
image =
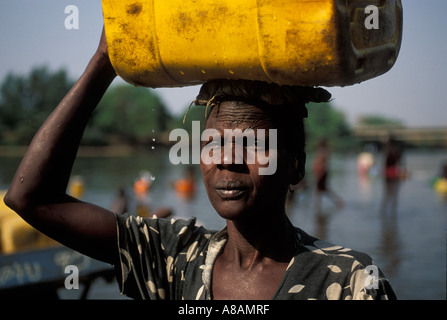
(389, 245)
(407, 244)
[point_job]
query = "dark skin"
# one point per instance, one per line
(260, 241)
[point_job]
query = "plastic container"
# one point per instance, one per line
(159, 43)
(17, 235)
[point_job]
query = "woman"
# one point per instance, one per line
(259, 255)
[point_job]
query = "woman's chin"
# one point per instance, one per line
(233, 210)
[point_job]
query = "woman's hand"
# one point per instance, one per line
(102, 55)
(102, 46)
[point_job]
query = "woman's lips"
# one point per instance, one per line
(230, 190)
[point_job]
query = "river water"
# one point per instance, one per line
(409, 244)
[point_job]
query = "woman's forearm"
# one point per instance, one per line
(45, 169)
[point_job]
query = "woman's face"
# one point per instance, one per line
(240, 188)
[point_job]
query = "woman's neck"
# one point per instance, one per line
(251, 242)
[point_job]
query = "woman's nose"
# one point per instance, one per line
(232, 155)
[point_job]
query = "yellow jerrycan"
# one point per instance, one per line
(160, 43)
(17, 235)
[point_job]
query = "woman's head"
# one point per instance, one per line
(274, 115)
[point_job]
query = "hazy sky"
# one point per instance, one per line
(33, 33)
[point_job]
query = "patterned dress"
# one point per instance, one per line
(173, 260)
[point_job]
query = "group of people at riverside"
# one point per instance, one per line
(258, 255)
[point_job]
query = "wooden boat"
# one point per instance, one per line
(34, 266)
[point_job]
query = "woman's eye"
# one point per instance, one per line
(255, 146)
(260, 145)
(214, 144)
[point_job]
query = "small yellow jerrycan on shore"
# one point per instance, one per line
(160, 43)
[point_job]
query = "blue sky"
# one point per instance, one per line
(33, 33)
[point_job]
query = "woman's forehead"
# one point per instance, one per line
(233, 114)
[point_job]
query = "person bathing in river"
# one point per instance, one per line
(258, 255)
(320, 169)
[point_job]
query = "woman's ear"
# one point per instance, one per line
(298, 168)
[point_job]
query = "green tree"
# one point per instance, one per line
(26, 101)
(379, 120)
(130, 114)
(326, 122)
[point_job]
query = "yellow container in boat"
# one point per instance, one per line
(160, 43)
(17, 235)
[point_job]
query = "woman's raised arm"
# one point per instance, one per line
(38, 190)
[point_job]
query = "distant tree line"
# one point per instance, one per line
(133, 115)
(126, 114)
(25, 102)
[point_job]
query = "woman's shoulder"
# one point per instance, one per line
(339, 267)
(333, 252)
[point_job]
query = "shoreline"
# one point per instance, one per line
(83, 151)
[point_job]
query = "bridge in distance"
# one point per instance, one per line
(426, 137)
